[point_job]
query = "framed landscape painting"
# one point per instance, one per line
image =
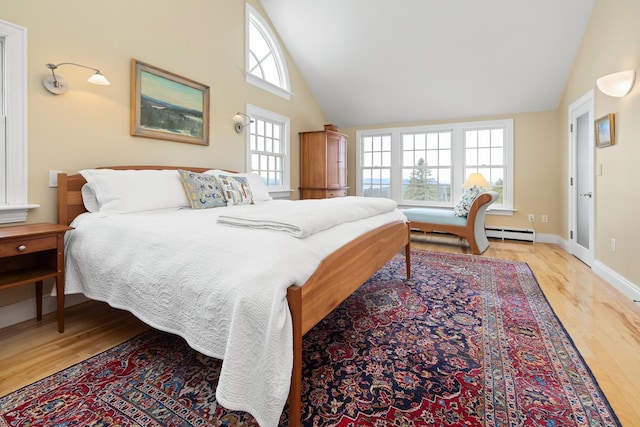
(167, 106)
(605, 131)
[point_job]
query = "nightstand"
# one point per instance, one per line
(30, 254)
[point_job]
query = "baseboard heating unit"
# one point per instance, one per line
(510, 233)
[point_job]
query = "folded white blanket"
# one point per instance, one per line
(306, 217)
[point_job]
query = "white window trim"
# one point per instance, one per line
(15, 99)
(283, 92)
(285, 190)
(458, 158)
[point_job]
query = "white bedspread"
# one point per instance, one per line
(221, 288)
(306, 217)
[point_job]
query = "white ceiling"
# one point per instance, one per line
(373, 62)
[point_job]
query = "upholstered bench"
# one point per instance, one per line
(470, 227)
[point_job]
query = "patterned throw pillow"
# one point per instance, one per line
(203, 191)
(236, 190)
(465, 202)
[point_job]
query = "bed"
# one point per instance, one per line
(345, 257)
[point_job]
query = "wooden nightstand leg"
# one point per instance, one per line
(39, 300)
(60, 297)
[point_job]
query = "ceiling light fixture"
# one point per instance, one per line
(617, 84)
(57, 85)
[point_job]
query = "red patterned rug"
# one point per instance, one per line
(469, 341)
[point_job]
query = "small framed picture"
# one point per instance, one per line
(605, 130)
(167, 106)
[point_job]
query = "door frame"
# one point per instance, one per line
(585, 102)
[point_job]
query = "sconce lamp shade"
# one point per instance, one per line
(617, 84)
(241, 122)
(99, 79)
(476, 180)
(57, 85)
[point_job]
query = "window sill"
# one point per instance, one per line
(501, 212)
(15, 213)
(280, 194)
(263, 84)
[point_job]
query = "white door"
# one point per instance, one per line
(581, 179)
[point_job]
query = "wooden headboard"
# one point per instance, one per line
(70, 203)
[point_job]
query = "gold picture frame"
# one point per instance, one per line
(167, 106)
(605, 131)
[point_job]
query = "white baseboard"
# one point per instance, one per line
(552, 238)
(26, 310)
(617, 281)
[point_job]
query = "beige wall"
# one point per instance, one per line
(89, 125)
(537, 170)
(611, 44)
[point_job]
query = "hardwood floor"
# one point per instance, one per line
(603, 323)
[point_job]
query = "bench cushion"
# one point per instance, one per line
(434, 216)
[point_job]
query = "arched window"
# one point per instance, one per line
(265, 64)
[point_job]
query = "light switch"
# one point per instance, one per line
(53, 178)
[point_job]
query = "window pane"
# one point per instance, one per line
(484, 138)
(486, 156)
(367, 160)
(264, 58)
(267, 151)
(270, 70)
(426, 175)
(257, 44)
(386, 143)
(497, 156)
(376, 160)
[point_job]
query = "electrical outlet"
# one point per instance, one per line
(613, 245)
(545, 218)
(532, 218)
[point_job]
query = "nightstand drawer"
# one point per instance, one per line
(26, 246)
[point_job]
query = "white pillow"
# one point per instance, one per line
(124, 191)
(89, 199)
(258, 188)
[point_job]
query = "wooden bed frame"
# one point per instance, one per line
(335, 279)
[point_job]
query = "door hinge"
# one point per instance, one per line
(571, 235)
(571, 181)
(571, 128)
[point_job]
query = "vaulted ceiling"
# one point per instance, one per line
(373, 62)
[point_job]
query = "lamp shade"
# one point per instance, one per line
(617, 84)
(477, 180)
(98, 79)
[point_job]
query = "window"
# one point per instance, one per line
(268, 149)
(13, 123)
(376, 166)
(485, 153)
(265, 64)
(427, 165)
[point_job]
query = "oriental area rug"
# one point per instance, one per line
(468, 341)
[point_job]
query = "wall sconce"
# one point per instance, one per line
(241, 122)
(476, 180)
(617, 84)
(57, 85)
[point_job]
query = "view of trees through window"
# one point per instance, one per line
(428, 165)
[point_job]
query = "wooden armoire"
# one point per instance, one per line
(323, 164)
